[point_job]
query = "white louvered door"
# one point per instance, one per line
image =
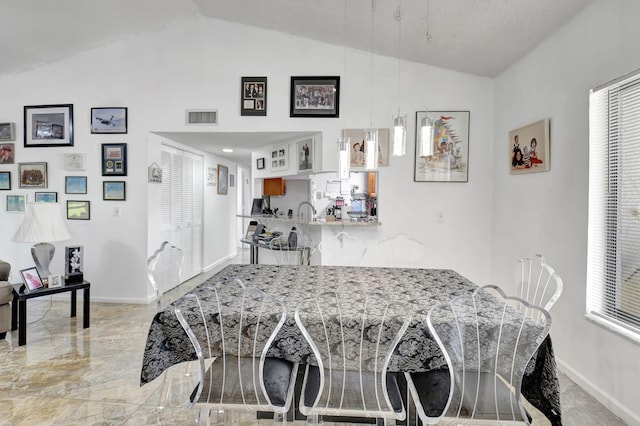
(181, 206)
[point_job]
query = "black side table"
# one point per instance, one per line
(19, 305)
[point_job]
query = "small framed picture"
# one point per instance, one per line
(7, 131)
(55, 281)
(114, 190)
(232, 181)
(279, 158)
(48, 125)
(315, 96)
(155, 173)
(254, 96)
(529, 148)
(16, 203)
(75, 184)
(304, 155)
(260, 163)
(114, 159)
(223, 176)
(78, 210)
(31, 279)
(5, 181)
(46, 197)
(75, 162)
(212, 176)
(109, 120)
(32, 175)
(7, 153)
(73, 258)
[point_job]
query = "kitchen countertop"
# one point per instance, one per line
(285, 219)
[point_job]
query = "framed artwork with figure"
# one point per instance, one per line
(304, 153)
(73, 260)
(529, 148)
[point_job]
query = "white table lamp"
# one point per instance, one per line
(42, 224)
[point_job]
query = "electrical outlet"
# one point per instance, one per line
(439, 216)
(116, 211)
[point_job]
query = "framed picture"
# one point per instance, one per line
(304, 156)
(114, 159)
(16, 203)
(7, 132)
(212, 176)
(78, 210)
(232, 181)
(223, 173)
(260, 163)
(5, 181)
(109, 120)
(55, 281)
(48, 125)
(529, 148)
(32, 175)
(74, 162)
(114, 190)
(315, 96)
(7, 153)
(75, 184)
(46, 197)
(358, 148)
(279, 158)
(31, 279)
(155, 173)
(73, 259)
(446, 159)
(254, 96)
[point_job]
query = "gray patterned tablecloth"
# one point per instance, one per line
(419, 289)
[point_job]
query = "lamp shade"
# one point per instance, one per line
(42, 223)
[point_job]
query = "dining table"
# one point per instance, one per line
(417, 288)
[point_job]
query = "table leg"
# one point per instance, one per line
(74, 299)
(85, 307)
(22, 323)
(14, 312)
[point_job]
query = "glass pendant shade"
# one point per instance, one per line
(371, 149)
(426, 137)
(399, 135)
(344, 157)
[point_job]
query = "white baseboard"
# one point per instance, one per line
(219, 262)
(603, 398)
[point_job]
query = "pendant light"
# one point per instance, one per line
(427, 123)
(371, 135)
(344, 142)
(399, 146)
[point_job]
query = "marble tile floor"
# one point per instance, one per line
(67, 375)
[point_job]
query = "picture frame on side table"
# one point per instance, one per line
(32, 175)
(223, 176)
(111, 120)
(74, 162)
(253, 96)
(31, 279)
(48, 125)
(529, 148)
(315, 96)
(75, 184)
(114, 190)
(5, 181)
(16, 203)
(7, 151)
(304, 156)
(46, 197)
(55, 281)
(73, 264)
(78, 210)
(114, 159)
(7, 132)
(446, 158)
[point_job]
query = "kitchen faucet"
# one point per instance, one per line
(310, 205)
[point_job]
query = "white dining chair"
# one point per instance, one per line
(487, 343)
(164, 269)
(235, 373)
(342, 250)
(352, 335)
(537, 282)
(399, 251)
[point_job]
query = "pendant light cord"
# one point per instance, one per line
(373, 8)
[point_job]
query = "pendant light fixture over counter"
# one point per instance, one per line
(399, 147)
(371, 135)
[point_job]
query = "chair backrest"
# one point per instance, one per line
(287, 255)
(487, 342)
(537, 282)
(164, 269)
(342, 250)
(399, 251)
(352, 332)
(236, 324)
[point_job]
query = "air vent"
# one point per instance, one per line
(202, 117)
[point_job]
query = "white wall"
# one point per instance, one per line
(194, 65)
(547, 212)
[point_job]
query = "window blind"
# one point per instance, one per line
(613, 271)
